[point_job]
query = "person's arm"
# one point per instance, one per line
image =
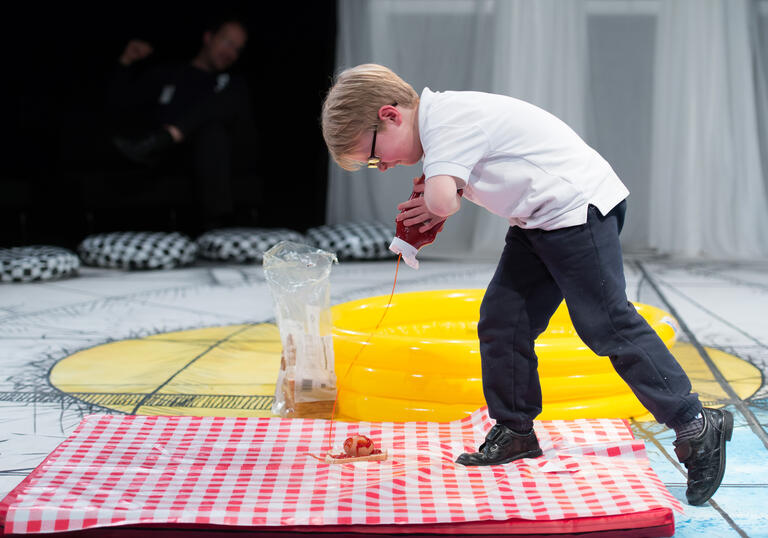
(416, 211)
(128, 85)
(441, 196)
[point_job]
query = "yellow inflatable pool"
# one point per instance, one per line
(423, 363)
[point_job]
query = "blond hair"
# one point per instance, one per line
(352, 107)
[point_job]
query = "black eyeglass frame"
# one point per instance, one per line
(373, 160)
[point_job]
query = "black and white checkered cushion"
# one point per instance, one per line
(243, 244)
(26, 264)
(138, 250)
(354, 240)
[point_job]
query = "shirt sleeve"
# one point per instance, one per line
(454, 150)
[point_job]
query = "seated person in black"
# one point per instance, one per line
(198, 104)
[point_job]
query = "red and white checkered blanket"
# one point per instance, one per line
(118, 470)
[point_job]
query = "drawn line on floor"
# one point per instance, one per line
(749, 416)
(38, 337)
(250, 402)
(97, 300)
(190, 363)
(16, 472)
(652, 438)
(716, 272)
(141, 297)
(715, 315)
(639, 289)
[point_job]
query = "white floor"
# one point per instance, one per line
(724, 306)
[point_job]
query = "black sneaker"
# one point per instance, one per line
(704, 455)
(503, 445)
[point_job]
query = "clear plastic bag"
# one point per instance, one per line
(299, 280)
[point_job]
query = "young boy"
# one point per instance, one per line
(565, 206)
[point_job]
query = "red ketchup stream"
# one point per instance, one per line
(408, 240)
(360, 351)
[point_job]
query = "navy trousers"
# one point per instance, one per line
(582, 264)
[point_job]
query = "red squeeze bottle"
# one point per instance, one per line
(408, 239)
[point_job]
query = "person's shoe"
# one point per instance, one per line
(503, 445)
(704, 455)
(144, 150)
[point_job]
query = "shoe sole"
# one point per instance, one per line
(727, 434)
(530, 454)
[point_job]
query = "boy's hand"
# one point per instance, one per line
(414, 211)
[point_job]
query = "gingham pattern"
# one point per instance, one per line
(27, 264)
(243, 244)
(257, 472)
(138, 250)
(354, 240)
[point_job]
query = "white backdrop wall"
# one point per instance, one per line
(671, 93)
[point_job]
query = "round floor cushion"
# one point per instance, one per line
(138, 250)
(354, 240)
(243, 244)
(27, 264)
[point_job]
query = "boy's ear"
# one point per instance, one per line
(390, 114)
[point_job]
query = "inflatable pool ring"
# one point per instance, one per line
(423, 363)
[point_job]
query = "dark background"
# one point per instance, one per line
(60, 177)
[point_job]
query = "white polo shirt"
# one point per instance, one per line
(515, 159)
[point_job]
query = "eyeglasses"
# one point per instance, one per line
(373, 160)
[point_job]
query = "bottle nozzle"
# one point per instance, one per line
(408, 251)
